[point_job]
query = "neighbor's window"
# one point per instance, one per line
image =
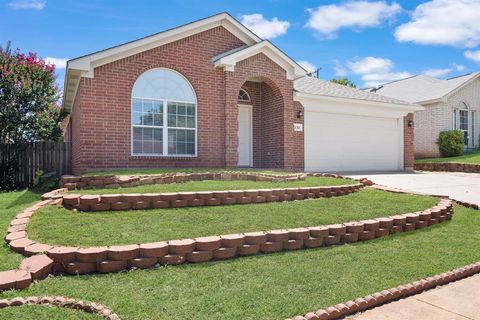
(164, 111)
(243, 96)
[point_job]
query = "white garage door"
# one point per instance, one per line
(339, 142)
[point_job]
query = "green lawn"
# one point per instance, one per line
(275, 286)
(119, 172)
(214, 185)
(45, 312)
(467, 158)
(11, 204)
(57, 225)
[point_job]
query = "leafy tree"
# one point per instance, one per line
(345, 82)
(29, 98)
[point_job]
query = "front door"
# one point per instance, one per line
(245, 136)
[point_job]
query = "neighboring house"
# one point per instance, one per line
(449, 104)
(213, 94)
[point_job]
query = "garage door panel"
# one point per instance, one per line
(335, 142)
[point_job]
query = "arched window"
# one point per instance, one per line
(243, 96)
(164, 115)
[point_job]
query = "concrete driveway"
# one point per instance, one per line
(457, 185)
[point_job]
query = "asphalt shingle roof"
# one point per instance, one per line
(422, 88)
(312, 85)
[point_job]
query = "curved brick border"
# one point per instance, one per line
(341, 310)
(62, 302)
(109, 202)
(75, 260)
(449, 167)
(112, 181)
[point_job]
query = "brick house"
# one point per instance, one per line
(450, 104)
(213, 94)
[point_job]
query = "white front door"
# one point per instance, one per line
(245, 136)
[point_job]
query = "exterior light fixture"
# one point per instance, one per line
(299, 114)
(410, 123)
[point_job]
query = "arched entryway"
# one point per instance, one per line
(260, 117)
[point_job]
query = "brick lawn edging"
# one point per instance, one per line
(206, 198)
(376, 299)
(76, 260)
(114, 182)
(107, 202)
(62, 302)
(448, 166)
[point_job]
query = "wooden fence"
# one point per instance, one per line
(20, 162)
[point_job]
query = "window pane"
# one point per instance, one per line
(158, 119)
(191, 110)
(181, 109)
(190, 136)
(137, 105)
(181, 142)
(190, 122)
(157, 107)
(147, 119)
(136, 118)
(157, 147)
(137, 133)
(181, 121)
(157, 134)
(137, 146)
(147, 147)
(172, 108)
(147, 106)
(172, 121)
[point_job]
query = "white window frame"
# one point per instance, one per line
(164, 126)
(463, 106)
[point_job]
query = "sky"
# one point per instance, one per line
(370, 42)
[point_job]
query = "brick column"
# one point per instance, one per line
(231, 120)
(408, 143)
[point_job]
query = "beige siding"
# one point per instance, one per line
(439, 117)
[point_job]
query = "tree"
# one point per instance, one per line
(29, 98)
(344, 82)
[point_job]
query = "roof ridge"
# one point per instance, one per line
(459, 76)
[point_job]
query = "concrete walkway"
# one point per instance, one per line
(455, 301)
(457, 185)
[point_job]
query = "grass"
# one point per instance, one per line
(120, 172)
(275, 286)
(467, 158)
(11, 203)
(45, 312)
(57, 225)
(213, 185)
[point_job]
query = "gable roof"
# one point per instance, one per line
(83, 66)
(228, 60)
(423, 89)
(314, 86)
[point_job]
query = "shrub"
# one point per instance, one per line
(451, 143)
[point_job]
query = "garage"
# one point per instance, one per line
(341, 142)
(346, 129)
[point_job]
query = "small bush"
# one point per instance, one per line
(451, 143)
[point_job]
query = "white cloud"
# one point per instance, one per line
(28, 4)
(328, 19)
(443, 22)
(437, 73)
(370, 65)
(373, 70)
(310, 67)
(60, 63)
(473, 55)
(264, 28)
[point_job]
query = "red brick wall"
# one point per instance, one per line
(101, 125)
(277, 112)
(409, 146)
(101, 116)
